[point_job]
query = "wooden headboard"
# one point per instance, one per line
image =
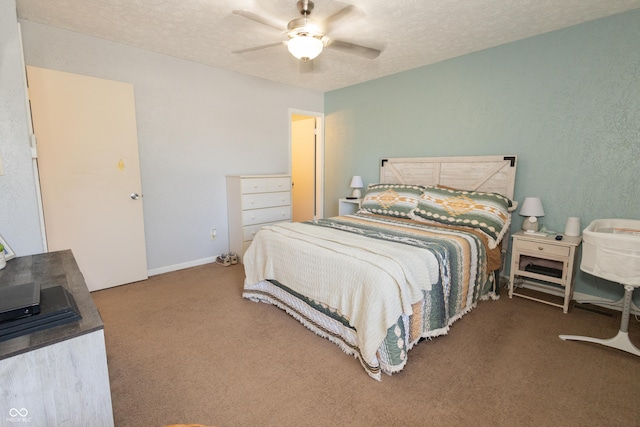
(478, 173)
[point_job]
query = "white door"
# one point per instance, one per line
(89, 171)
(303, 167)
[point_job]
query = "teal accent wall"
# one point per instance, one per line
(567, 103)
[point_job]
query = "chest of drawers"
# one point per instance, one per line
(254, 201)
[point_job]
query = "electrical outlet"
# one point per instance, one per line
(214, 234)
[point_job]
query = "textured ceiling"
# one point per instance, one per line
(410, 33)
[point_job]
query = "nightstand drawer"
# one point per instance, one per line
(543, 248)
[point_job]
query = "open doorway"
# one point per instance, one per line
(306, 142)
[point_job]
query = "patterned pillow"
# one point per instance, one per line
(397, 200)
(487, 212)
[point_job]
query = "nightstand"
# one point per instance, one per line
(550, 262)
(348, 206)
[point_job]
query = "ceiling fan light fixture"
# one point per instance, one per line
(305, 47)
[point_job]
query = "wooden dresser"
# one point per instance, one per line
(57, 376)
(254, 201)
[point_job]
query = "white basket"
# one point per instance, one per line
(611, 250)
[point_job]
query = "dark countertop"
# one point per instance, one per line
(50, 269)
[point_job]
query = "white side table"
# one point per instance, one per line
(348, 206)
(545, 248)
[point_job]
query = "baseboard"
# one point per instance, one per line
(182, 266)
(582, 298)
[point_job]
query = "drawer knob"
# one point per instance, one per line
(540, 248)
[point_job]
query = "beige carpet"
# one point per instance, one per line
(185, 347)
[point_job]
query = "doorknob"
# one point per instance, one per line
(135, 196)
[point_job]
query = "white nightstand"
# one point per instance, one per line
(540, 249)
(348, 206)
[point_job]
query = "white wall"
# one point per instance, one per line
(19, 220)
(196, 124)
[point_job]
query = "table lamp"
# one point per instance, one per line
(356, 184)
(531, 209)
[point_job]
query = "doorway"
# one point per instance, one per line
(306, 141)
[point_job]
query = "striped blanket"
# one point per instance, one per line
(373, 285)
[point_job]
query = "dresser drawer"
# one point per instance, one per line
(254, 185)
(543, 248)
(265, 185)
(259, 216)
(249, 231)
(279, 184)
(265, 200)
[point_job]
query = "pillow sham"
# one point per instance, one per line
(396, 200)
(513, 205)
(487, 212)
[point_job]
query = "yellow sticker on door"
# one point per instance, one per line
(121, 165)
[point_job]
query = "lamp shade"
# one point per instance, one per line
(305, 47)
(532, 206)
(356, 182)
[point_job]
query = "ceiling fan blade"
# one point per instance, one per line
(335, 20)
(264, 46)
(355, 49)
(260, 19)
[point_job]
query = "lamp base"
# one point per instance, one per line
(356, 194)
(530, 224)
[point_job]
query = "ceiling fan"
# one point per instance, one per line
(307, 37)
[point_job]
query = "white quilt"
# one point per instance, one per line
(370, 282)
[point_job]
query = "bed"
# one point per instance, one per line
(421, 252)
